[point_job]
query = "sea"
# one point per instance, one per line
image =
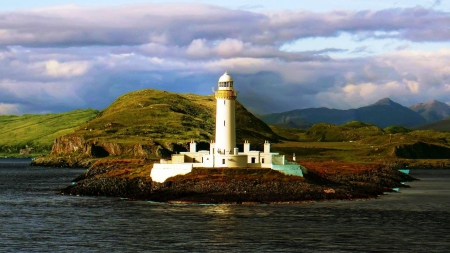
(35, 218)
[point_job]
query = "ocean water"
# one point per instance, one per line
(33, 218)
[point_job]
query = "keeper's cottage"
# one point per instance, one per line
(223, 153)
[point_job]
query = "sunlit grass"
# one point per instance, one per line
(39, 131)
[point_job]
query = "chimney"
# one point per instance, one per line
(192, 147)
(246, 147)
(266, 147)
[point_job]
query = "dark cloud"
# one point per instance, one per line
(180, 24)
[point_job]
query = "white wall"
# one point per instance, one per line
(231, 161)
(225, 125)
(161, 172)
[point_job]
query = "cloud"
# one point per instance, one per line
(9, 109)
(69, 57)
(68, 69)
(181, 23)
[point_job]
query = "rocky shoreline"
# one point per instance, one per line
(130, 179)
(63, 161)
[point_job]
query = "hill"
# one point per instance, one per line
(386, 113)
(39, 131)
(362, 142)
(442, 125)
(154, 123)
(383, 113)
(432, 111)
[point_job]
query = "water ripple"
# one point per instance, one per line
(35, 219)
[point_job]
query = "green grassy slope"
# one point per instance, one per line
(358, 141)
(39, 131)
(351, 131)
(442, 125)
(165, 117)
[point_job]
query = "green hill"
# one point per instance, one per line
(167, 117)
(39, 131)
(351, 131)
(442, 125)
(152, 123)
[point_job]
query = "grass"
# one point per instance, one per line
(39, 131)
(290, 133)
(150, 117)
(154, 117)
(222, 174)
(442, 125)
(360, 142)
(164, 117)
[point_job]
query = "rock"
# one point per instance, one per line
(138, 188)
(78, 146)
(236, 186)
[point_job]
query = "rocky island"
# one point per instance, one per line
(325, 181)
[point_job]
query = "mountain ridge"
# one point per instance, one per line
(383, 113)
(432, 110)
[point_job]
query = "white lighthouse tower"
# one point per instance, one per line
(225, 116)
(223, 153)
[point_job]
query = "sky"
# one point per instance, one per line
(61, 55)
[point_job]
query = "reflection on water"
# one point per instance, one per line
(35, 219)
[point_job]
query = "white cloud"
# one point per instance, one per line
(198, 48)
(230, 47)
(413, 86)
(8, 109)
(66, 69)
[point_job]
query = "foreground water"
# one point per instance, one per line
(35, 219)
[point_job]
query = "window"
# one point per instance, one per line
(224, 123)
(253, 160)
(224, 101)
(262, 160)
(223, 161)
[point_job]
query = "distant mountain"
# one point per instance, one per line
(442, 125)
(386, 113)
(432, 111)
(383, 113)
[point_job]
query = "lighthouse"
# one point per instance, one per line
(225, 115)
(223, 152)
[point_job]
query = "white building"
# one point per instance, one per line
(223, 152)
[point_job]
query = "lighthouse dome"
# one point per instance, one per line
(225, 82)
(225, 78)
